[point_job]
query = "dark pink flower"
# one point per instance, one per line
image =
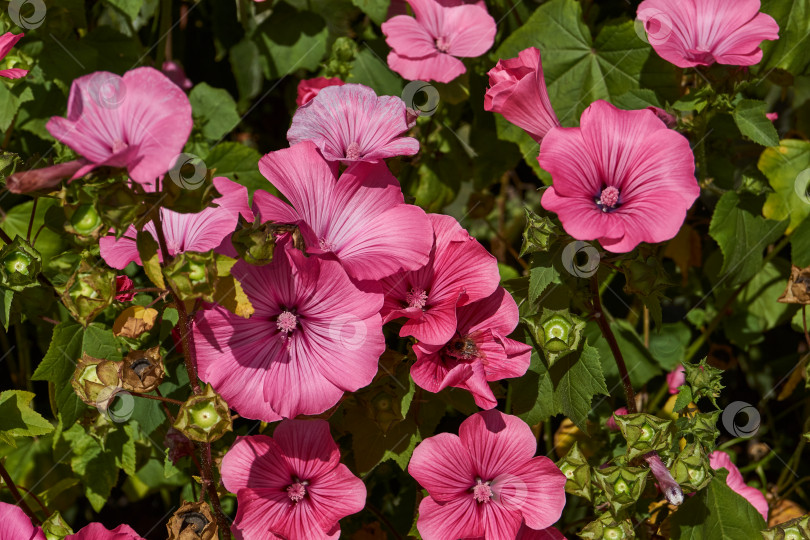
(97, 531)
(124, 289)
(351, 123)
(525, 533)
(313, 336)
(176, 74)
(309, 88)
(517, 90)
(676, 378)
(610, 423)
(199, 232)
(291, 486)
(361, 218)
(15, 525)
(772, 116)
(720, 460)
(691, 33)
(479, 351)
(428, 46)
(140, 122)
(459, 271)
(670, 120)
(621, 178)
(7, 41)
(485, 482)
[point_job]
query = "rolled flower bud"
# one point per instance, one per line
(193, 521)
(124, 289)
(20, 265)
(667, 484)
(204, 417)
(142, 371)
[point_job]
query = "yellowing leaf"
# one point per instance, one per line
(229, 294)
(787, 168)
(148, 251)
(134, 321)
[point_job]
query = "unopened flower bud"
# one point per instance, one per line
(645, 433)
(705, 380)
(577, 472)
(703, 427)
(124, 289)
(142, 371)
(193, 275)
(204, 417)
(539, 233)
(557, 333)
(691, 468)
(83, 220)
(193, 521)
(622, 485)
(672, 491)
(610, 423)
(20, 265)
(95, 381)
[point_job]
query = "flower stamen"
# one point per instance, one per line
(482, 493)
(286, 322)
(416, 298)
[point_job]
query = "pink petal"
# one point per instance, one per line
(442, 465)
(458, 518)
(97, 531)
(535, 489)
(14, 524)
(526, 533)
(439, 67)
(405, 34)
(336, 494)
(720, 460)
(254, 462)
(432, 373)
(309, 88)
(436, 326)
(498, 521)
(469, 29)
(307, 447)
(430, 15)
(498, 443)
(269, 514)
(497, 312)
(13, 73)
(7, 42)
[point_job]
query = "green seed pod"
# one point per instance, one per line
(645, 433)
(20, 265)
(702, 427)
(255, 242)
(606, 527)
(88, 291)
(577, 471)
(193, 275)
(691, 468)
(204, 417)
(85, 221)
(539, 233)
(795, 529)
(55, 527)
(96, 381)
(622, 485)
(557, 333)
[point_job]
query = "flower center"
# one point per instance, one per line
(609, 198)
(482, 493)
(416, 298)
(118, 145)
(297, 490)
(326, 245)
(286, 322)
(353, 151)
(442, 44)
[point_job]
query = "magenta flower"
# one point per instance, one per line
(720, 460)
(140, 122)
(428, 47)
(351, 123)
(199, 232)
(691, 33)
(292, 485)
(621, 178)
(313, 336)
(97, 531)
(485, 482)
(460, 271)
(675, 379)
(610, 423)
(478, 352)
(7, 41)
(309, 88)
(176, 74)
(517, 90)
(525, 533)
(124, 289)
(361, 219)
(15, 525)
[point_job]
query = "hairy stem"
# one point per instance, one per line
(158, 398)
(17, 496)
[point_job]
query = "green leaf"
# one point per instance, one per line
(247, 69)
(292, 40)
(15, 223)
(684, 398)
(240, 163)
(641, 365)
(786, 168)
(377, 10)
(755, 310)
(749, 115)
(800, 244)
(742, 235)
(18, 418)
(637, 99)
(8, 107)
(791, 51)
(5, 308)
(717, 512)
(368, 69)
(215, 109)
(668, 345)
(96, 468)
(130, 8)
(540, 277)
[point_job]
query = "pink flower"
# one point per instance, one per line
(610, 423)
(479, 351)
(361, 219)
(720, 460)
(140, 122)
(15, 525)
(517, 90)
(309, 88)
(485, 482)
(124, 289)
(428, 47)
(313, 336)
(459, 271)
(675, 379)
(772, 116)
(691, 33)
(200, 232)
(670, 120)
(176, 74)
(525, 533)
(621, 177)
(291, 486)
(7, 41)
(97, 531)
(351, 123)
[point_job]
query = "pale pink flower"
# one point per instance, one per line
(313, 336)
(140, 122)
(485, 482)
(478, 352)
(676, 378)
(621, 178)
(428, 47)
(309, 88)
(176, 74)
(199, 232)
(525, 533)
(720, 460)
(351, 123)
(517, 90)
(361, 218)
(691, 33)
(610, 423)
(291, 486)
(15, 525)
(97, 531)
(7, 41)
(460, 271)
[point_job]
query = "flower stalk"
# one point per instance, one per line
(18, 496)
